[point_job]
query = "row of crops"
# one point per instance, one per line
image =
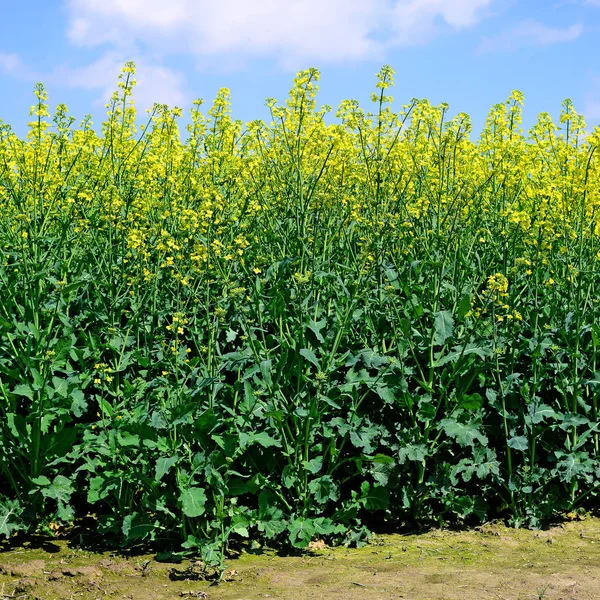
(288, 331)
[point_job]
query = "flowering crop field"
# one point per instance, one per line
(289, 331)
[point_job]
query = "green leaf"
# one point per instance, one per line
(464, 306)
(443, 327)
(465, 434)
(315, 327)
(61, 386)
(127, 439)
(10, 517)
(301, 532)
(377, 498)
(364, 438)
(79, 405)
(314, 465)
(42, 481)
(18, 427)
(518, 443)
(262, 439)
(237, 486)
(273, 527)
(65, 512)
(386, 393)
(97, 490)
(163, 466)
(193, 501)
(538, 413)
(573, 420)
(459, 352)
(24, 390)
(61, 442)
(265, 369)
(324, 489)
(413, 452)
(573, 466)
(310, 356)
(61, 489)
(382, 459)
(470, 402)
(483, 463)
(137, 527)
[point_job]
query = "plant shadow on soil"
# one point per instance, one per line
(490, 561)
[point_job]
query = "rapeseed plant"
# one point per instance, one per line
(274, 329)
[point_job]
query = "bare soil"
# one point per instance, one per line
(491, 562)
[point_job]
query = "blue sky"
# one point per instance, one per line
(469, 53)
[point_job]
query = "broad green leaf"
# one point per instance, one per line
(163, 466)
(237, 486)
(62, 442)
(301, 531)
(42, 481)
(79, 404)
(464, 306)
(262, 439)
(136, 527)
(193, 501)
(310, 356)
(413, 452)
(573, 465)
(61, 386)
(518, 443)
(443, 327)
(127, 439)
(386, 393)
(539, 413)
(60, 489)
(382, 459)
(377, 498)
(18, 426)
(10, 517)
(314, 465)
(316, 327)
(465, 434)
(324, 489)
(24, 390)
(470, 402)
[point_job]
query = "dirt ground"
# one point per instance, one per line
(491, 562)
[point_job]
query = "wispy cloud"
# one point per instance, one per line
(323, 30)
(12, 64)
(155, 83)
(417, 21)
(529, 33)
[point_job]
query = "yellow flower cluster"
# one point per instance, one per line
(153, 211)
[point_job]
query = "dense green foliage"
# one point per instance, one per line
(275, 332)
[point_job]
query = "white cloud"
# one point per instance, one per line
(230, 33)
(9, 63)
(530, 33)
(155, 83)
(323, 30)
(12, 64)
(416, 21)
